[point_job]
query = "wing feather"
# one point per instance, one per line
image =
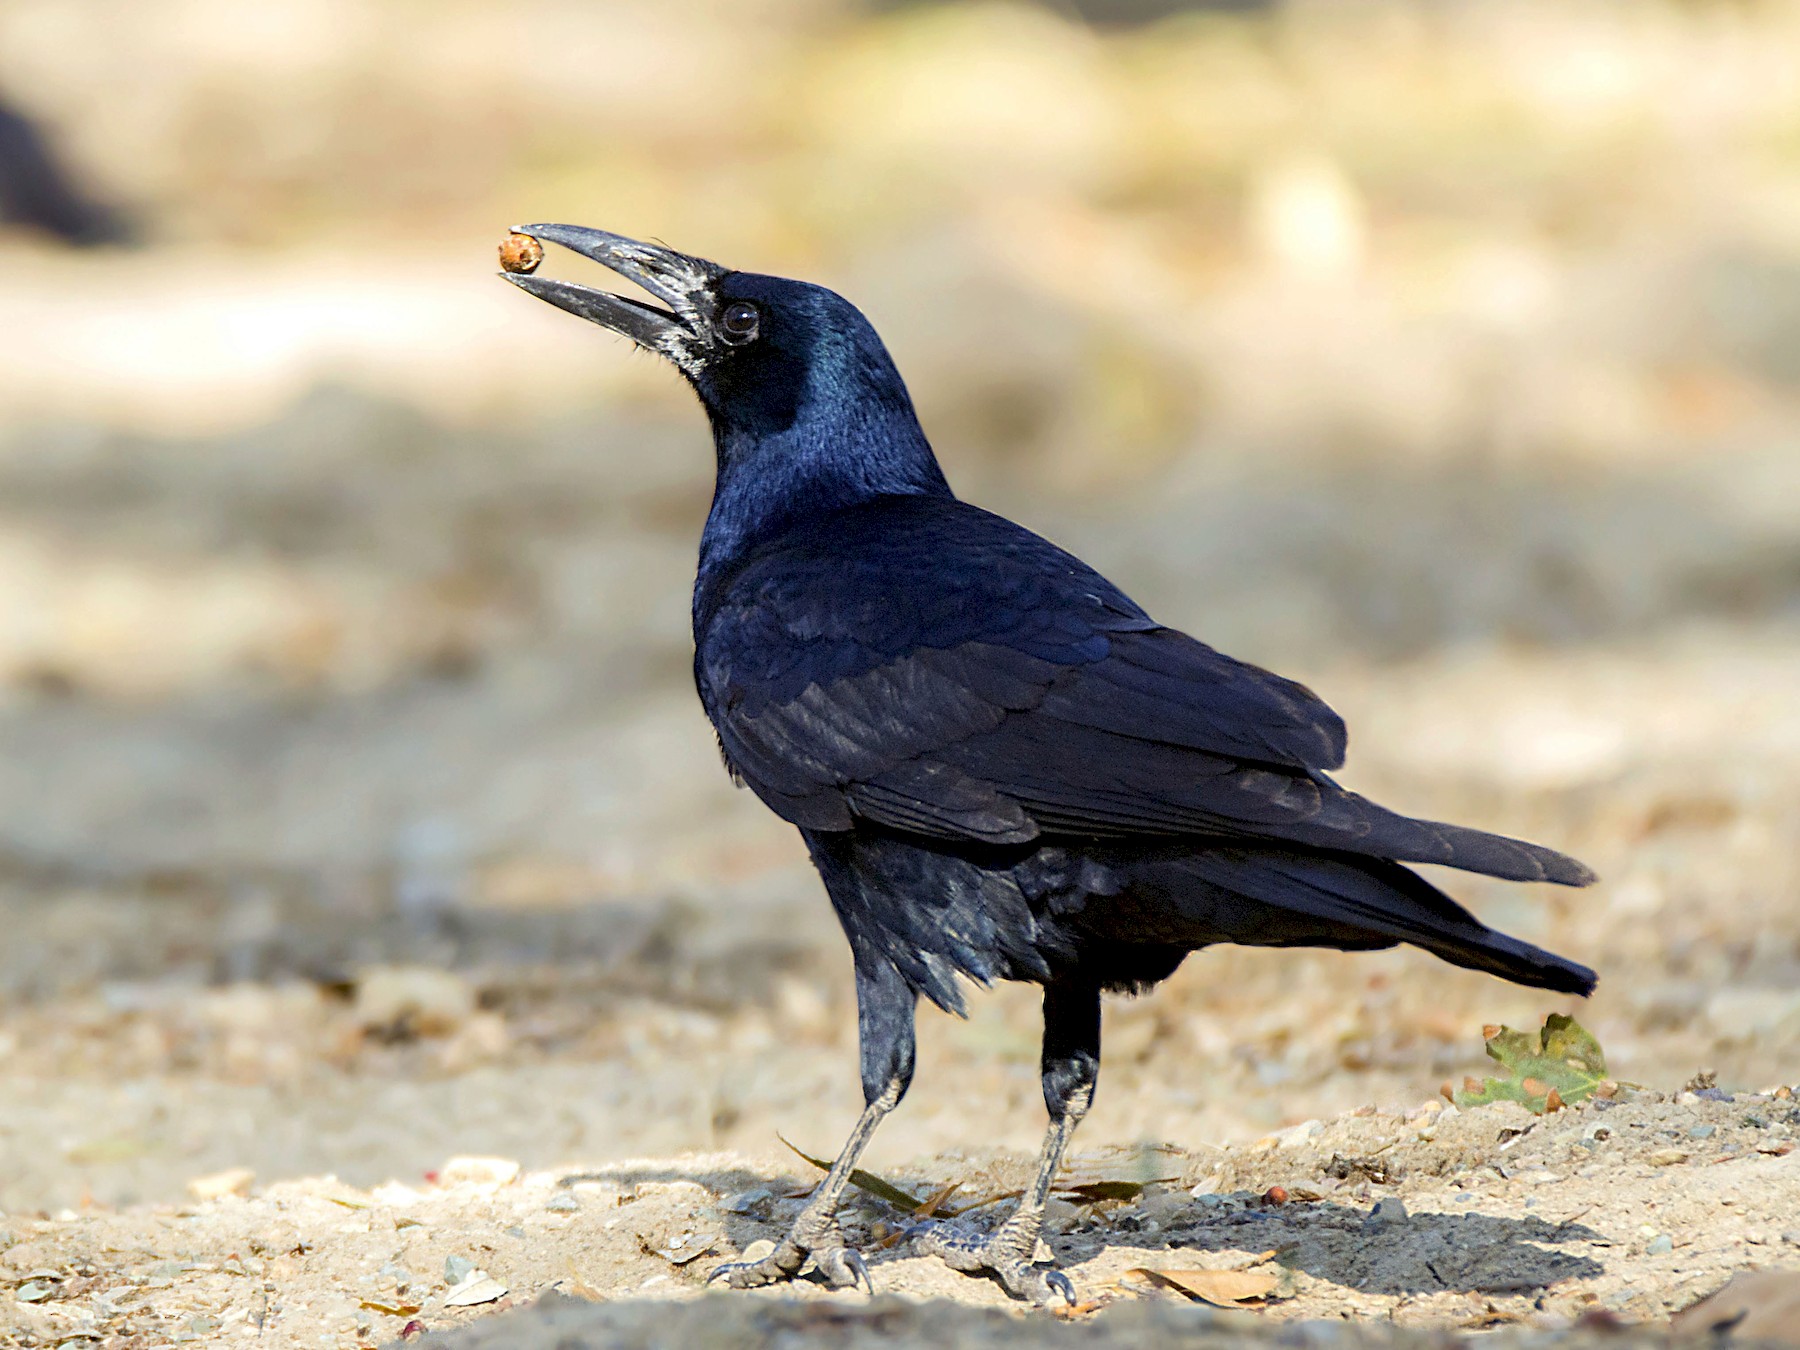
(926, 666)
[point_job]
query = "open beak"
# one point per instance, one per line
(682, 283)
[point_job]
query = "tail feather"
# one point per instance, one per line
(1351, 900)
(1387, 834)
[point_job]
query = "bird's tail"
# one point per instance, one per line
(1352, 901)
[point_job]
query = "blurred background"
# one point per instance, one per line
(355, 807)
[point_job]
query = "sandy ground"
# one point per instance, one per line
(449, 869)
(1435, 1218)
(356, 814)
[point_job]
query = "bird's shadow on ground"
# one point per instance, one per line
(1424, 1253)
(1415, 1254)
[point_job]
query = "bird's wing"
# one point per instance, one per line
(924, 665)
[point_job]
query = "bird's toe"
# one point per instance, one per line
(1002, 1257)
(778, 1267)
(843, 1268)
(839, 1265)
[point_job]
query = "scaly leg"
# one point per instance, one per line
(1071, 1065)
(884, 1017)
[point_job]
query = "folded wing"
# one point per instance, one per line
(924, 665)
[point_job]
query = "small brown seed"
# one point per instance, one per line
(520, 253)
(1275, 1195)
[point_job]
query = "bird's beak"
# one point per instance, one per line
(682, 283)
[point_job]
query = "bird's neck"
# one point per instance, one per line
(770, 482)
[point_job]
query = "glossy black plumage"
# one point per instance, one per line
(1002, 766)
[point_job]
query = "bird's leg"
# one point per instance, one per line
(1071, 1065)
(884, 1015)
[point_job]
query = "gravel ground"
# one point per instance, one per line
(1631, 1209)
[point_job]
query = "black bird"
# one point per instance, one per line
(37, 190)
(1003, 768)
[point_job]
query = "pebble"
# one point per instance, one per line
(1386, 1214)
(478, 1288)
(457, 1269)
(217, 1185)
(421, 999)
(563, 1202)
(473, 1171)
(1703, 1131)
(751, 1202)
(1296, 1136)
(1667, 1157)
(1660, 1245)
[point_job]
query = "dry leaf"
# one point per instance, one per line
(390, 1309)
(935, 1200)
(871, 1184)
(1221, 1288)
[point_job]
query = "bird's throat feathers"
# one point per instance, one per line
(835, 428)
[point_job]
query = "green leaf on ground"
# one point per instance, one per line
(1558, 1066)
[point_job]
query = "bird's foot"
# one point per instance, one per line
(839, 1265)
(1007, 1257)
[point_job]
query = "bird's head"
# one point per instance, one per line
(764, 353)
(808, 412)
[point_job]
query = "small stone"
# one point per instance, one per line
(457, 1269)
(1660, 1245)
(400, 1002)
(1386, 1214)
(203, 1323)
(755, 1202)
(217, 1185)
(1667, 1157)
(33, 1292)
(1703, 1131)
(563, 1202)
(1296, 1136)
(489, 1172)
(479, 1287)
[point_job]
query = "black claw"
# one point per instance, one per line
(859, 1270)
(1062, 1285)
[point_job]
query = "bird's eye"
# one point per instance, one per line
(739, 322)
